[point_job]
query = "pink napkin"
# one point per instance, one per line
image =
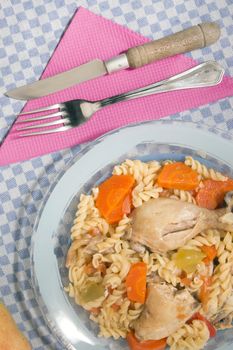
(90, 36)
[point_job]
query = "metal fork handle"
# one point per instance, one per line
(209, 73)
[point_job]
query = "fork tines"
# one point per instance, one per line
(43, 109)
(61, 113)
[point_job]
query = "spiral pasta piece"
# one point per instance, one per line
(185, 196)
(221, 287)
(142, 193)
(208, 238)
(116, 323)
(138, 169)
(167, 269)
(123, 227)
(131, 167)
(81, 215)
(205, 172)
(150, 260)
(87, 218)
(145, 175)
(192, 336)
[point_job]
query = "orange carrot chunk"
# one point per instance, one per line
(112, 196)
(186, 281)
(209, 199)
(211, 195)
(124, 207)
(178, 176)
(227, 185)
(210, 252)
(136, 282)
(135, 344)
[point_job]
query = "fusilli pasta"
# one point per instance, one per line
(205, 172)
(102, 254)
(192, 336)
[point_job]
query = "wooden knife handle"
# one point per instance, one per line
(196, 37)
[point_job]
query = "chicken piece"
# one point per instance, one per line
(165, 311)
(165, 224)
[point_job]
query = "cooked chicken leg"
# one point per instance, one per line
(165, 224)
(166, 310)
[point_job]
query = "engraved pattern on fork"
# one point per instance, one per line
(76, 112)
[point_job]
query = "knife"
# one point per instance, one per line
(195, 37)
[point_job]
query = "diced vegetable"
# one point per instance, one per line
(135, 344)
(210, 252)
(227, 185)
(89, 269)
(110, 289)
(94, 232)
(136, 282)
(115, 307)
(95, 311)
(178, 176)
(209, 199)
(198, 316)
(188, 259)
(212, 193)
(92, 292)
(102, 269)
(113, 201)
(204, 290)
(186, 281)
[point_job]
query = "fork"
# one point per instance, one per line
(76, 112)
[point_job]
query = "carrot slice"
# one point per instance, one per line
(212, 193)
(124, 207)
(210, 252)
(178, 176)
(111, 197)
(135, 344)
(136, 282)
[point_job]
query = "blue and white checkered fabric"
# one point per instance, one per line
(29, 32)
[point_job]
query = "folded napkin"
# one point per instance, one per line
(90, 36)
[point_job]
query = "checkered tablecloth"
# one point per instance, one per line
(29, 32)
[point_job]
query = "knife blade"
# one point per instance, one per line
(195, 37)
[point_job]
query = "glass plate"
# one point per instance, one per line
(165, 139)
